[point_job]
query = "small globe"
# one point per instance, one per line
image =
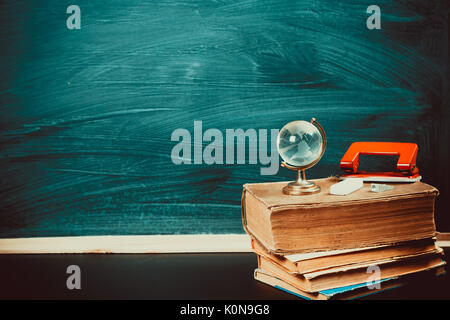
(300, 143)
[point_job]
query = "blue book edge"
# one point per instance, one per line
(332, 292)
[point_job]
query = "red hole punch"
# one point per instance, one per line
(406, 165)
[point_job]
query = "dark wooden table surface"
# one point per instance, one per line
(160, 276)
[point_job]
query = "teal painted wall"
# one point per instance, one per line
(87, 115)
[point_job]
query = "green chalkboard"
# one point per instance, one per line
(89, 114)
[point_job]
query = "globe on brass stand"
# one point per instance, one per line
(301, 144)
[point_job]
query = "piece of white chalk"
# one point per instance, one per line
(346, 187)
(376, 187)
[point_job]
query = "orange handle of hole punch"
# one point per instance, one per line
(407, 153)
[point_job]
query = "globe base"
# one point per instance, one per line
(301, 186)
(295, 189)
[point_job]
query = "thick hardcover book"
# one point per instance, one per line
(315, 261)
(352, 274)
(322, 221)
(347, 292)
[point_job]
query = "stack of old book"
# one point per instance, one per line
(324, 246)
